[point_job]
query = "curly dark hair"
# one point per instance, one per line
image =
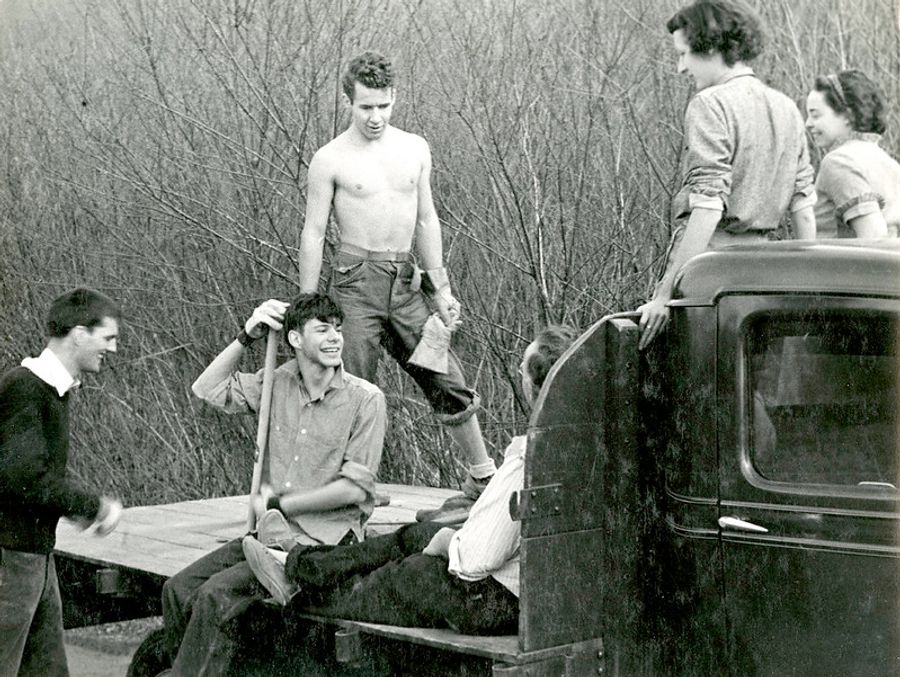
(852, 92)
(369, 69)
(310, 306)
(728, 27)
(550, 343)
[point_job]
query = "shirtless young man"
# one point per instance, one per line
(377, 179)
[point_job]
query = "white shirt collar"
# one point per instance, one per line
(51, 371)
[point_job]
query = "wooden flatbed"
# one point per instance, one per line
(103, 578)
(160, 540)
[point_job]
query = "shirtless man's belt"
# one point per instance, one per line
(359, 252)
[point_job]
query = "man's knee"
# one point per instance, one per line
(464, 408)
(414, 537)
(451, 400)
(181, 598)
(219, 605)
(176, 592)
(173, 597)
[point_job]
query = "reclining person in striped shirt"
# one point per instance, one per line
(425, 574)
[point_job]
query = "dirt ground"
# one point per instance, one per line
(106, 650)
(85, 662)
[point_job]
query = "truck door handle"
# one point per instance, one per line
(741, 525)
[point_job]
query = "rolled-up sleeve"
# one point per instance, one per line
(363, 452)
(841, 179)
(709, 149)
(238, 394)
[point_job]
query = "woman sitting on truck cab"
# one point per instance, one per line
(858, 184)
(745, 162)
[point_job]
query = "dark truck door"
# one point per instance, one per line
(809, 509)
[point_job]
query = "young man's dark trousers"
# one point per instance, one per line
(387, 579)
(200, 606)
(31, 626)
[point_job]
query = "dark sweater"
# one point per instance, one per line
(34, 448)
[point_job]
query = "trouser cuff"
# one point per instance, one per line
(482, 470)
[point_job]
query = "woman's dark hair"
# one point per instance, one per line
(550, 343)
(79, 308)
(728, 27)
(852, 92)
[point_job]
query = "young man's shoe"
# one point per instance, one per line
(274, 531)
(455, 510)
(269, 571)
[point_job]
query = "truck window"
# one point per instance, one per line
(822, 398)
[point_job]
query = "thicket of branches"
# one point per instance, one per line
(157, 150)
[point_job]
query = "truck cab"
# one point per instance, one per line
(784, 453)
(736, 484)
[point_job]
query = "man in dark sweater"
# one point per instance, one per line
(35, 492)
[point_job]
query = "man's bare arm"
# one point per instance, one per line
(428, 227)
(319, 194)
(431, 249)
(870, 225)
(697, 234)
(337, 494)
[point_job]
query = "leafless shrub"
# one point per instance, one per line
(158, 151)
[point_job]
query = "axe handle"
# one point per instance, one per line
(262, 430)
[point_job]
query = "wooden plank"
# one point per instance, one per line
(498, 647)
(163, 539)
(502, 648)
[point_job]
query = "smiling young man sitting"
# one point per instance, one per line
(325, 441)
(425, 574)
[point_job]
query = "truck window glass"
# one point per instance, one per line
(822, 398)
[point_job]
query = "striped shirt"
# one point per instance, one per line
(488, 543)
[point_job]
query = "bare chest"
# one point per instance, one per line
(367, 175)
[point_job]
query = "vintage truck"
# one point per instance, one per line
(727, 503)
(723, 503)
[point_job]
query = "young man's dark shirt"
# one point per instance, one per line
(34, 448)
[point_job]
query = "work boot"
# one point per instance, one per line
(455, 510)
(269, 571)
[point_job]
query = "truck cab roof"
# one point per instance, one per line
(853, 267)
